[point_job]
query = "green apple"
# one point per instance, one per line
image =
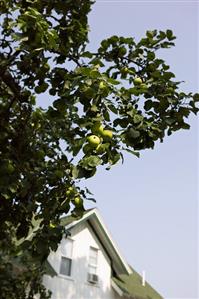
(124, 70)
(78, 201)
(143, 86)
(102, 85)
(93, 140)
(137, 80)
(70, 191)
(107, 134)
(52, 225)
(97, 128)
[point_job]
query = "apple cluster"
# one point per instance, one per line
(74, 196)
(139, 83)
(95, 141)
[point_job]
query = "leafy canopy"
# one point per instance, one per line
(123, 89)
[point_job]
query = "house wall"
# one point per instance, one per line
(77, 286)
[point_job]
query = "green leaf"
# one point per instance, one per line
(168, 75)
(113, 109)
(113, 39)
(164, 104)
(148, 105)
(95, 74)
(170, 35)
(90, 162)
(114, 158)
(85, 172)
(113, 81)
(185, 126)
(60, 104)
(106, 115)
(41, 88)
(93, 161)
(132, 133)
(196, 97)
(170, 120)
(104, 44)
(19, 37)
(76, 173)
(137, 154)
(161, 35)
(59, 173)
(137, 118)
(122, 51)
(156, 74)
(84, 71)
(151, 55)
(87, 54)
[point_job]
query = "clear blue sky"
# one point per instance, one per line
(150, 204)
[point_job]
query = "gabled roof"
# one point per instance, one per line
(95, 221)
(125, 280)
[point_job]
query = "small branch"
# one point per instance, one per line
(124, 58)
(133, 61)
(75, 60)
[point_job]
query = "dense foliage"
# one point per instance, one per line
(120, 98)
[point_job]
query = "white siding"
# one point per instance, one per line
(76, 286)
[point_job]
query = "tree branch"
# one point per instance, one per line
(6, 76)
(133, 61)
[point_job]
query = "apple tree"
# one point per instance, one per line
(121, 97)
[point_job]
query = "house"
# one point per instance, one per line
(88, 264)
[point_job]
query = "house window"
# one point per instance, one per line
(66, 257)
(93, 256)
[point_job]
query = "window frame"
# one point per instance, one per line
(92, 264)
(66, 256)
